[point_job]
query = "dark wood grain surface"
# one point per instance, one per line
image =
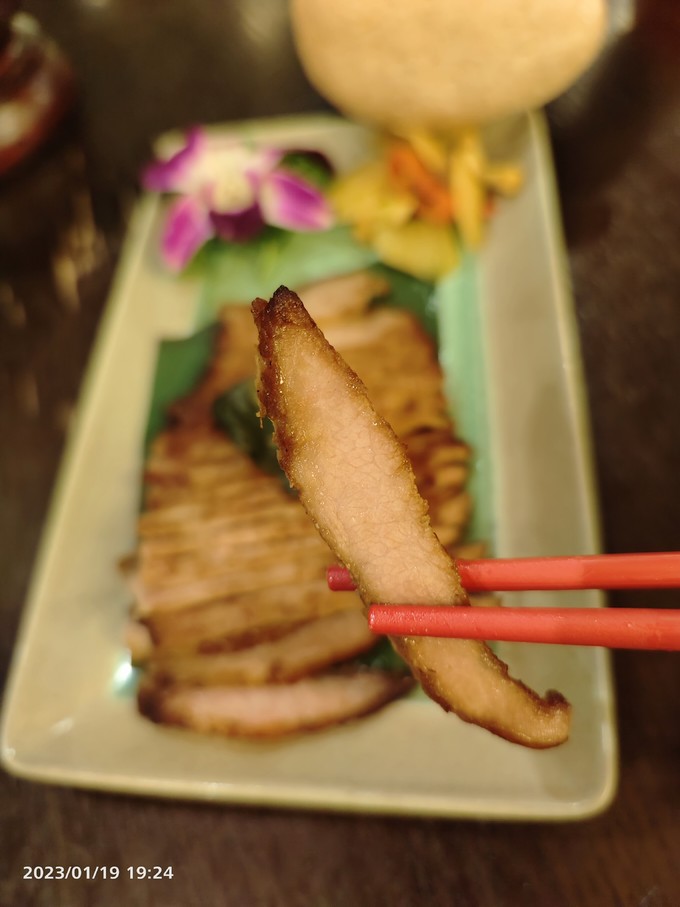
(143, 67)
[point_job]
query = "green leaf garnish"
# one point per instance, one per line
(382, 657)
(236, 413)
(312, 166)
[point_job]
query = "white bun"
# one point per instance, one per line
(437, 62)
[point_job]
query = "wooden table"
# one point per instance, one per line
(146, 67)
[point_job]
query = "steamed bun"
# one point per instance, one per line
(440, 62)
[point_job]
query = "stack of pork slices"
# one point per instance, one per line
(233, 625)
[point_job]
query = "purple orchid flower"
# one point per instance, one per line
(230, 190)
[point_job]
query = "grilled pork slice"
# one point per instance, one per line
(405, 385)
(305, 650)
(331, 300)
(231, 363)
(337, 299)
(246, 619)
(354, 479)
(271, 711)
(250, 576)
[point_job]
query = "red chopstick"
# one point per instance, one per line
(614, 628)
(595, 571)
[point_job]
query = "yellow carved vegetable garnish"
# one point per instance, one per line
(422, 196)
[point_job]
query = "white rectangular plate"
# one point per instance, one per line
(69, 715)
